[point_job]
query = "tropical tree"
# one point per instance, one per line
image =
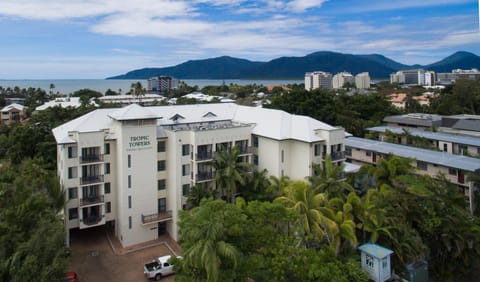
(474, 177)
(329, 179)
(208, 233)
(230, 173)
(137, 89)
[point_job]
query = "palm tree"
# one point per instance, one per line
(387, 170)
(137, 89)
(329, 179)
(300, 198)
(229, 171)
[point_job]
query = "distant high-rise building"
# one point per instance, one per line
(414, 77)
(161, 84)
(449, 77)
(429, 78)
(318, 79)
(362, 80)
(339, 80)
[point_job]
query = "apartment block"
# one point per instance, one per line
(414, 77)
(341, 78)
(132, 168)
(161, 84)
(318, 79)
(427, 162)
(362, 80)
(13, 113)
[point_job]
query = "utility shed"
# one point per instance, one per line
(376, 261)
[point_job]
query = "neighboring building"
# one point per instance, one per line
(428, 162)
(13, 113)
(446, 142)
(458, 124)
(399, 100)
(132, 168)
(161, 84)
(339, 80)
(146, 100)
(413, 77)
(362, 80)
(429, 78)
(318, 79)
(450, 77)
(65, 102)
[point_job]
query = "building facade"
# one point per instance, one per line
(13, 113)
(318, 79)
(161, 84)
(339, 80)
(362, 80)
(132, 168)
(413, 77)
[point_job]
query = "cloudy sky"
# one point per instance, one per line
(99, 38)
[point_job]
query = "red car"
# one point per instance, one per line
(70, 276)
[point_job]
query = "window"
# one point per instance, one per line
(161, 146)
(348, 151)
(107, 168)
(129, 202)
(161, 185)
(108, 207)
(72, 172)
(445, 147)
(129, 161)
(107, 149)
(185, 150)
(185, 169)
(162, 205)
(368, 153)
(72, 153)
(282, 156)
(129, 222)
(107, 187)
(255, 141)
(72, 193)
(185, 189)
(316, 150)
(72, 213)
(422, 165)
(452, 171)
(369, 261)
(255, 159)
(129, 181)
(161, 165)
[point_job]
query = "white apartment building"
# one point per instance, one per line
(132, 168)
(161, 84)
(362, 80)
(414, 77)
(318, 79)
(339, 80)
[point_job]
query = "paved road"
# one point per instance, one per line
(93, 259)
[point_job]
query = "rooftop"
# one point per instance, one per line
(428, 156)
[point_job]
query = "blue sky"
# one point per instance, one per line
(47, 39)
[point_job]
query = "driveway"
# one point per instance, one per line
(94, 260)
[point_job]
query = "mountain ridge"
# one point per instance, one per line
(227, 67)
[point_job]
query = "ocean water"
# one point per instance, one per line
(66, 86)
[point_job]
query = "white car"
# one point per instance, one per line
(158, 268)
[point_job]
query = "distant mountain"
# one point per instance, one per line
(226, 67)
(459, 60)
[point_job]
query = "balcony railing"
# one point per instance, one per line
(337, 156)
(91, 158)
(92, 220)
(91, 179)
(92, 200)
(202, 156)
(202, 176)
(156, 217)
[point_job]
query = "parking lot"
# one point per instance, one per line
(94, 259)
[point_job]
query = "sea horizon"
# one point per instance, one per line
(68, 86)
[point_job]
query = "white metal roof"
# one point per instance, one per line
(14, 106)
(61, 102)
(428, 156)
(269, 123)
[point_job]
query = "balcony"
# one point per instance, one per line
(204, 156)
(156, 217)
(204, 176)
(337, 156)
(245, 150)
(92, 220)
(86, 180)
(91, 159)
(92, 200)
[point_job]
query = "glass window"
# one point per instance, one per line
(108, 207)
(129, 181)
(452, 171)
(185, 149)
(107, 168)
(317, 149)
(161, 146)
(368, 153)
(129, 161)
(255, 159)
(162, 205)
(185, 169)
(129, 222)
(369, 261)
(107, 149)
(73, 213)
(255, 141)
(72, 152)
(161, 184)
(185, 189)
(161, 165)
(282, 156)
(72, 172)
(107, 187)
(129, 202)
(422, 165)
(72, 193)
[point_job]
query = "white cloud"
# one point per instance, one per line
(382, 5)
(302, 5)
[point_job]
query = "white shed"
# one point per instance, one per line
(376, 261)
